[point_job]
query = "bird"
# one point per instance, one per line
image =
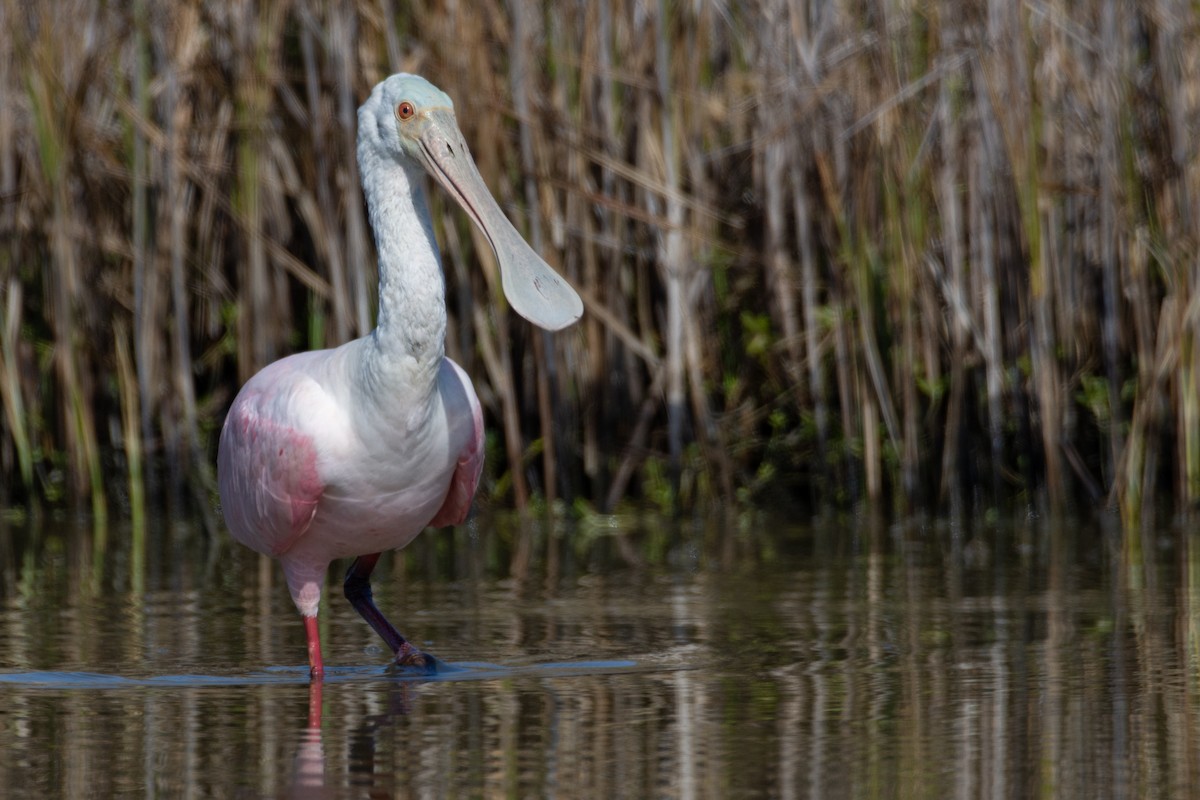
(352, 451)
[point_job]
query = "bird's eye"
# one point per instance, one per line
(405, 110)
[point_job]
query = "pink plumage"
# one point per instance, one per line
(355, 450)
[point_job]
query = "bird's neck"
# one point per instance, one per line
(409, 340)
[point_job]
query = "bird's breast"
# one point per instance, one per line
(389, 474)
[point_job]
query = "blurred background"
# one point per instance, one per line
(934, 255)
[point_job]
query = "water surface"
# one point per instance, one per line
(841, 657)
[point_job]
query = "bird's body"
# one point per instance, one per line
(333, 473)
(354, 450)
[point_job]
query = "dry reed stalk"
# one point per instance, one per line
(348, 80)
(189, 445)
(827, 253)
(12, 390)
(672, 258)
(848, 392)
(51, 112)
(1111, 100)
(776, 153)
(594, 63)
(1173, 62)
(130, 427)
(614, 272)
(985, 197)
(1033, 131)
(258, 327)
(497, 338)
(322, 214)
(520, 75)
(149, 312)
(954, 471)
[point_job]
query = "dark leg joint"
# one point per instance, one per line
(357, 587)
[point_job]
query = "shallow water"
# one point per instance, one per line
(621, 658)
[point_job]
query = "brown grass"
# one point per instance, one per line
(926, 254)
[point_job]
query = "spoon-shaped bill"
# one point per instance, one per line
(533, 288)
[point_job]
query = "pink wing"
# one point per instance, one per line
(267, 475)
(466, 476)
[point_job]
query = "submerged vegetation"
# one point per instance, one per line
(925, 254)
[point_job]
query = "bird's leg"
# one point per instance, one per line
(358, 592)
(316, 667)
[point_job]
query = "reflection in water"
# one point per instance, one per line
(308, 770)
(1034, 658)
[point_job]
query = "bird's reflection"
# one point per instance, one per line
(308, 768)
(309, 779)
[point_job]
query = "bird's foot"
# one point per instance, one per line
(410, 659)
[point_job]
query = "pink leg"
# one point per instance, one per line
(314, 705)
(316, 667)
(358, 592)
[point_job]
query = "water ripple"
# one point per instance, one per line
(464, 671)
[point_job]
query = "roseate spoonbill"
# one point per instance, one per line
(355, 450)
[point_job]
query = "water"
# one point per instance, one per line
(841, 658)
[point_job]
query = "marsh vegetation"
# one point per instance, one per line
(928, 254)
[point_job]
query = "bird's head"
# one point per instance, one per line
(411, 119)
(404, 109)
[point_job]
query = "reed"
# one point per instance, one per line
(928, 255)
